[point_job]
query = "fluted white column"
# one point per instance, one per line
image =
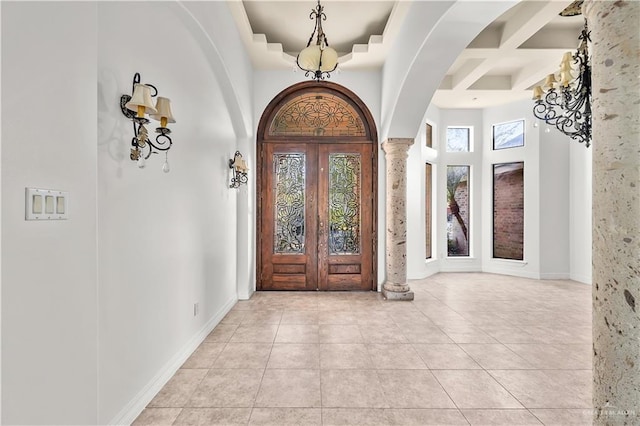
(615, 53)
(395, 286)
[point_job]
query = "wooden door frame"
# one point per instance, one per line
(371, 137)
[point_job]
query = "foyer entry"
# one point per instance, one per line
(316, 226)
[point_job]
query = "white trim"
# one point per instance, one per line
(555, 276)
(244, 294)
(512, 262)
(460, 264)
(584, 279)
(466, 268)
(133, 409)
(494, 269)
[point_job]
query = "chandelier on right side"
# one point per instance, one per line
(564, 101)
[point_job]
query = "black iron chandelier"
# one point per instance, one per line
(566, 103)
(318, 60)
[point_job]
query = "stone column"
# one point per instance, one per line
(395, 286)
(615, 53)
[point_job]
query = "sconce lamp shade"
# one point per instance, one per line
(141, 100)
(163, 114)
(242, 166)
(315, 58)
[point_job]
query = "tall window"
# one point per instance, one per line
(427, 211)
(458, 139)
(508, 211)
(429, 136)
(458, 210)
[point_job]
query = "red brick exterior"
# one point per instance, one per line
(508, 212)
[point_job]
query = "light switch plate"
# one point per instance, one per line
(46, 204)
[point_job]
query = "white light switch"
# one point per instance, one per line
(46, 204)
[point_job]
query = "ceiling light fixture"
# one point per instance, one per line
(318, 60)
(564, 101)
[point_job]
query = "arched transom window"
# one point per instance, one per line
(317, 114)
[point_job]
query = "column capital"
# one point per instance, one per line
(396, 145)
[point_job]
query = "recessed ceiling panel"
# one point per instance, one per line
(347, 23)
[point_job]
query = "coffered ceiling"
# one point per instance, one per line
(500, 65)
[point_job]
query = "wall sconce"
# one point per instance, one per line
(240, 169)
(135, 107)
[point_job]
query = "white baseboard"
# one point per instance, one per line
(513, 270)
(555, 276)
(133, 409)
(245, 295)
(584, 279)
(460, 268)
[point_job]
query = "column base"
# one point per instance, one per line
(402, 294)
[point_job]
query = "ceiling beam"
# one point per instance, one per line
(492, 82)
(531, 17)
(470, 72)
(532, 74)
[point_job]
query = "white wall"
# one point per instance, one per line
(366, 85)
(49, 354)
(546, 195)
(211, 24)
(580, 212)
(419, 154)
(473, 119)
(166, 241)
(0, 218)
(554, 204)
(530, 155)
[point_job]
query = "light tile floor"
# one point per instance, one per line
(472, 348)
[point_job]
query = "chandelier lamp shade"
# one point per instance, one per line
(136, 108)
(564, 100)
(318, 60)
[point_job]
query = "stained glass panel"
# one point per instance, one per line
(317, 114)
(289, 197)
(344, 203)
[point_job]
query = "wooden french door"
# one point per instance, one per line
(317, 216)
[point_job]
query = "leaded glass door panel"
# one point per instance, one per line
(345, 239)
(289, 238)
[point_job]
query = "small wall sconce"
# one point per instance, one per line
(240, 169)
(135, 107)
